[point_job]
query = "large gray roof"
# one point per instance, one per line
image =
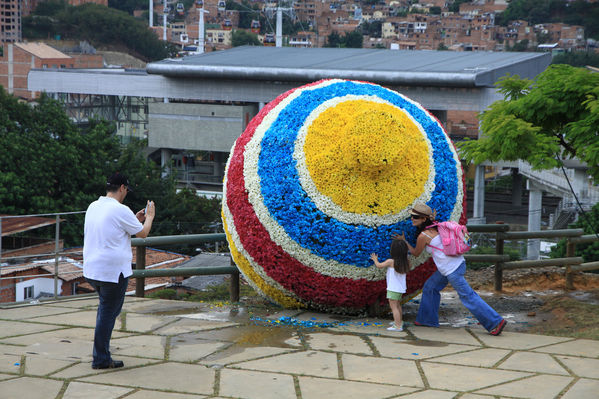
(396, 67)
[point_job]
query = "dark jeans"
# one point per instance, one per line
(112, 296)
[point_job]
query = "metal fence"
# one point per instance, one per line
(501, 232)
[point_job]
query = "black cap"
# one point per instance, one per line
(118, 179)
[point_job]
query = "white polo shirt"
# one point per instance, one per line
(109, 226)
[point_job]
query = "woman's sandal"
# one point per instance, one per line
(497, 330)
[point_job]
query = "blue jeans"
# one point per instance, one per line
(112, 296)
(428, 312)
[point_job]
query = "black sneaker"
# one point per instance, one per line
(114, 364)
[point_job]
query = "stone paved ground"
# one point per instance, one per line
(182, 350)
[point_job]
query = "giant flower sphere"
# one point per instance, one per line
(322, 177)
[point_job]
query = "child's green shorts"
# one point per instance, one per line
(396, 296)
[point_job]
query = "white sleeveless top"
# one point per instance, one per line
(445, 264)
(396, 282)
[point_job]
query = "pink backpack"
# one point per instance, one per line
(454, 236)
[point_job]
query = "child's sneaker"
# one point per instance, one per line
(395, 328)
(497, 330)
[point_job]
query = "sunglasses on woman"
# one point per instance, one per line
(417, 217)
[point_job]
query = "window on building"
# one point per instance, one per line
(74, 288)
(28, 292)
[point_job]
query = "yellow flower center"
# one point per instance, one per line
(367, 157)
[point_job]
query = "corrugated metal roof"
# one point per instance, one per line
(407, 67)
(42, 50)
(13, 225)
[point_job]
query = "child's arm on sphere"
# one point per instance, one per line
(375, 259)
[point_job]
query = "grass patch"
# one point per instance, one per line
(571, 317)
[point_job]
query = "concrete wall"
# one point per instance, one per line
(195, 127)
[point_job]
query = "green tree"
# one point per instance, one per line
(100, 26)
(352, 39)
(577, 58)
(542, 122)
(129, 6)
(589, 222)
(333, 40)
(522, 45)
(372, 29)
(50, 165)
(241, 37)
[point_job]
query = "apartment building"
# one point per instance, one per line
(10, 21)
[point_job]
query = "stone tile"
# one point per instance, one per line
(515, 341)
(160, 306)
(415, 349)
(475, 396)
(81, 303)
(450, 335)
(314, 363)
(236, 353)
(579, 347)
(82, 390)
(583, 389)
(143, 394)
(191, 352)
(321, 317)
(485, 357)
(381, 370)
(10, 363)
(536, 387)
(84, 369)
(432, 394)
(463, 378)
(183, 326)
(251, 335)
(145, 323)
(256, 385)
(68, 334)
(69, 350)
(12, 328)
(6, 376)
(367, 326)
(30, 311)
(150, 346)
(318, 388)
(41, 365)
(176, 377)
(35, 388)
(581, 366)
(82, 318)
(11, 350)
(338, 343)
(283, 313)
(534, 362)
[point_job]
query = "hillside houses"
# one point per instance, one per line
(403, 25)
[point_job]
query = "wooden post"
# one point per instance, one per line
(140, 264)
(234, 287)
(499, 265)
(570, 250)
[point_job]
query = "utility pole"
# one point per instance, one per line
(164, 22)
(151, 16)
(279, 28)
(201, 38)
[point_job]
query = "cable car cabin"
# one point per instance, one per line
(222, 5)
(255, 26)
(180, 8)
(269, 39)
(227, 25)
(199, 3)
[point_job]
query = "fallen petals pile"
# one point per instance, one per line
(323, 176)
